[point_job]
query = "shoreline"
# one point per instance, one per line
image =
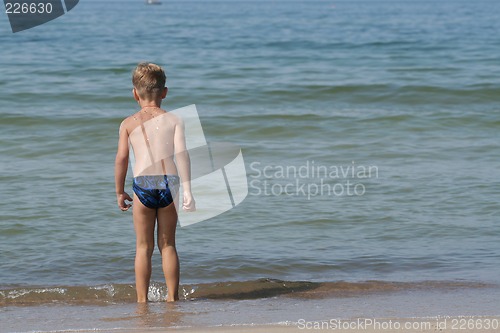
(443, 324)
(264, 288)
(445, 310)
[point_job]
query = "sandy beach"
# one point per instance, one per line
(369, 134)
(471, 324)
(451, 309)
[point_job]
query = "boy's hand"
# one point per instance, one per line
(188, 203)
(121, 197)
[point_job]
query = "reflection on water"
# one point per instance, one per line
(151, 315)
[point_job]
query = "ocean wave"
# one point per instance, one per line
(230, 290)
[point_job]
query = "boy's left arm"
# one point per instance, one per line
(121, 166)
(184, 166)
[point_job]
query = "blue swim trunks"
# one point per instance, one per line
(156, 191)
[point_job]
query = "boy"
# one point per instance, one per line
(155, 137)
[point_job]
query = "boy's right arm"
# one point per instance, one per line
(121, 165)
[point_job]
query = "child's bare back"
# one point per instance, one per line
(152, 133)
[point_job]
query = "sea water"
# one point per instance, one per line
(369, 130)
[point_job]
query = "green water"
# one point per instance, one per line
(410, 88)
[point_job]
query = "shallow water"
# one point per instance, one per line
(409, 89)
(427, 306)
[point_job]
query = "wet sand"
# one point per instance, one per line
(434, 310)
(471, 324)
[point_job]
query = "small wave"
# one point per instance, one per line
(19, 121)
(399, 94)
(356, 94)
(236, 290)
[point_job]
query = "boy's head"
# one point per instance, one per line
(149, 81)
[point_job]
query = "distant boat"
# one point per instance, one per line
(153, 2)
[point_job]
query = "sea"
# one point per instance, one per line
(370, 133)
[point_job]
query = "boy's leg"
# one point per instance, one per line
(144, 225)
(167, 223)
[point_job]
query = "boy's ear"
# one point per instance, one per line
(164, 94)
(136, 95)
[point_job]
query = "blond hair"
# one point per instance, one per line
(149, 80)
